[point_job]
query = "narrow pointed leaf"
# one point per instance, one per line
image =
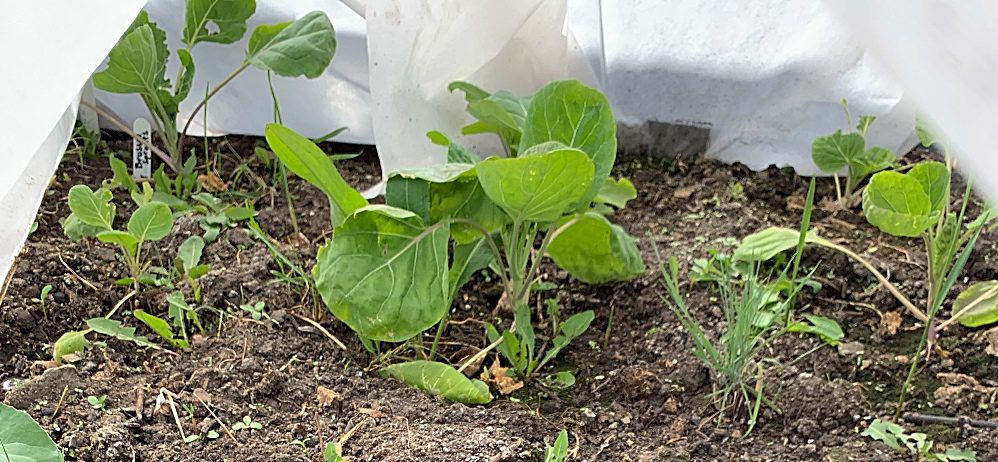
(766, 244)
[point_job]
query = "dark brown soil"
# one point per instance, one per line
(640, 394)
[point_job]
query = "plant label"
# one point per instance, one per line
(141, 157)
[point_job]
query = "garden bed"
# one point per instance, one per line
(640, 393)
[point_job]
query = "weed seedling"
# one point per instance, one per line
(96, 403)
(840, 150)
(916, 444)
(247, 424)
(559, 451)
(43, 295)
(256, 310)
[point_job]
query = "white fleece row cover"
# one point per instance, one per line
(764, 76)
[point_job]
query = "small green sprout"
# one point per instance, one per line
(247, 424)
(43, 295)
(95, 402)
(256, 310)
(559, 451)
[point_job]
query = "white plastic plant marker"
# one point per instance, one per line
(141, 157)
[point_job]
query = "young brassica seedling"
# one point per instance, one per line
(848, 151)
(137, 63)
(917, 444)
(93, 215)
(389, 272)
(559, 451)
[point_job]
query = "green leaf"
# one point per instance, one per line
(23, 440)
(571, 329)
(884, 431)
(300, 155)
(76, 229)
(873, 160)
(766, 244)
(469, 258)
(190, 252)
(218, 21)
(897, 204)
(834, 152)
(412, 194)
(864, 123)
(934, 178)
(539, 187)
(151, 222)
(303, 47)
(441, 380)
(92, 208)
(595, 251)
(559, 451)
(160, 327)
(121, 175)
(71, 342)
(456, 153)
(501, 113)
(827, 329)
(616, 193)
(580, 117)
(984, 297)
(471, 91)
(113, 328)
(331, 453)
(385, 273)
(925, 134)
(137, 63)
(955, 454)
(126, 240)
(182, 87)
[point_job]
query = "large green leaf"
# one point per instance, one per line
(151, 222)
(92, 208)
(580, 117)
(538, 187)
(300, 155)
(126, 240)
(984, 297)
(441, 380)
(833, 152)
(766, 244)
(595, 251)
(385, 273)
(218, 21)
(160, 327)
(137, 63)
(897, 204)
(303, 47)
(23, 440)
(934, 178)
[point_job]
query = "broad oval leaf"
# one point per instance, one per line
(71, 342)
(580, 117)
(984, 297)
(218, 21)
(595, 251)
(934, 178)
(441, 380)
(137, 63)
(766, 244)
(833, 152)
(385, 274)
(303, 47)
(23, 440)
(92, 208)
(616, 193)
(190, 252)
(151, 222)
(300, 155)
(897, 204)
(540, 187)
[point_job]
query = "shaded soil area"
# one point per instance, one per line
(640, 395)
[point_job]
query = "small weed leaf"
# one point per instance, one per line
(980, 301)
(827, 329)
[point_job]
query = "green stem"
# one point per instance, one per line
(805, 224)
(436, 339)
(218, 87)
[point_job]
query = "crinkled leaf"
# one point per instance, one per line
(76, 229)
(833, 152)
(300, 155)
(218, 21)
(539, 187)
(897, 204)
(827, 329)
(160, 327)
(873, 160)
(984, 297)
(137, 63)
(190, 252)
(766, 244)
(934, 178)
(441, 380)
(71, 342)
(595, 251)
(616, 193)
(385, 274)
(884, 431)
(580, 117)
(23, 440)
(113, 328)
(92, 208)
(151, 222)
(456, 153)
(303, 47)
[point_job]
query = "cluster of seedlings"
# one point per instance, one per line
(391, 271)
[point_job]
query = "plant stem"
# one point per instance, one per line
(436, 339)
(121, 126)
(805, 224)
(481, 354)
(211, 93)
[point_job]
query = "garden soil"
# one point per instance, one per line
(640, 393)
